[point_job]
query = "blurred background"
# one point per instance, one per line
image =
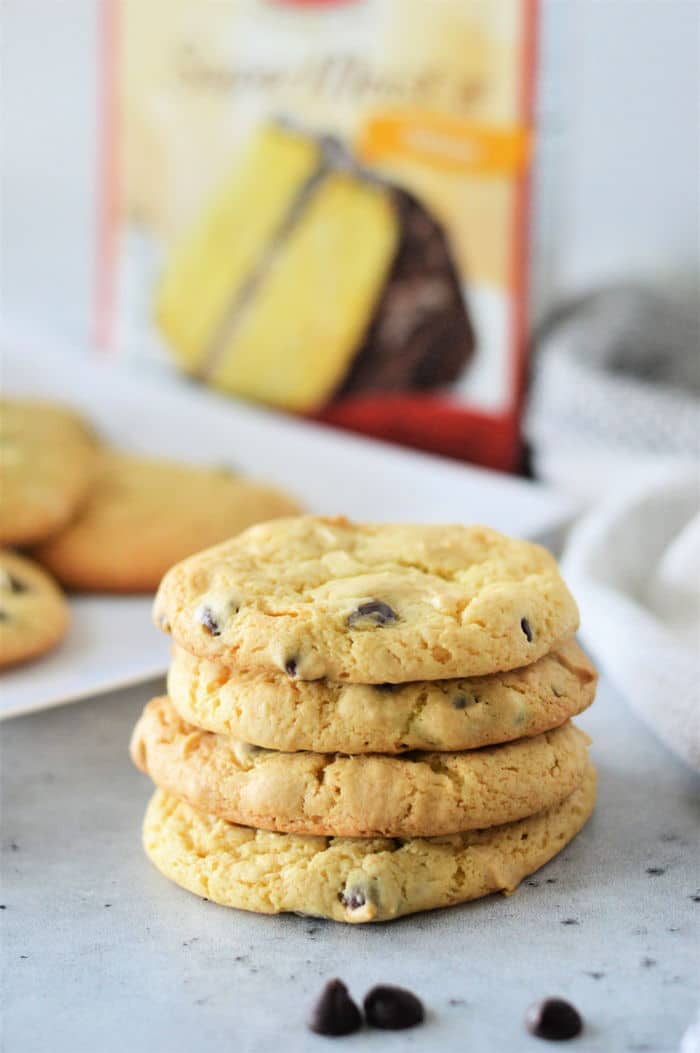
(612, 208)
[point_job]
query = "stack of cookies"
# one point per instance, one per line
(365, 720)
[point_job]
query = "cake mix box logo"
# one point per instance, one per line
(321, 207)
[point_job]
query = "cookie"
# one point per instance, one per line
(319, 597)
(143, 515)
(33, 611)
(348, 879)
(46, 463)
(272, 710)
(371, 795)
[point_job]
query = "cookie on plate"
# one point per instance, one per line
(46, 462)
(143, 515)
(320, 597)
(371, 795)
(281, 713)
(353, 880)
(33, 611)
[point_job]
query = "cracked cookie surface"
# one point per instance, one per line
(33, 611)
(347, 879)
(143, 514)
(46, 462)
(283, 713)
(320, 597)
(414, 795)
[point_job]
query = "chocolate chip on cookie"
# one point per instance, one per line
(359, 900)
(335, 1013)
(527, 629)
(205, 617)
(11, 583)
(353, 899)
(34, 612)
(376, 613)
(462, 701)
(393, 1008)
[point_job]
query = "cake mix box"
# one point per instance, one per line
(322, 206)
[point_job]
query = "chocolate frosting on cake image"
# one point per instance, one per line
(307, 277)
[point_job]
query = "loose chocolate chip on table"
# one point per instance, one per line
(526, 628)
(205, 616)
(335, 1013)
(553, 1019)
(376, 611)
(656, 871)
(392, 1008)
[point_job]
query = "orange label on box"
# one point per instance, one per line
(444, 142)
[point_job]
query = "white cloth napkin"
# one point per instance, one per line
(633, 563)
(614, 417)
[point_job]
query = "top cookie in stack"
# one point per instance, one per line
(312, 655)
(369, 604)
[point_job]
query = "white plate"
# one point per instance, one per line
(112, 642)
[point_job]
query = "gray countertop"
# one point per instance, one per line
(101, 953)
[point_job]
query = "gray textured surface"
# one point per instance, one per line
(101, 953)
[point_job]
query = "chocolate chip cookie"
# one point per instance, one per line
(353, 880)
(317, 597)
(415, 795)
(143, 515)
(284, 713)
(46, 461)
(33, 611)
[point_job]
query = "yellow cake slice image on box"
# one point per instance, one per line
(305, 276)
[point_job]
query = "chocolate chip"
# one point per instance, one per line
(392, 1008)
(656, 871)
(376, 611)
(11, 583)
(353, 898)
(335, 1013)
(461, 701)
(205, 616)
(569, 921)
(553, 1019)
(290, 667)
(527, 629)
